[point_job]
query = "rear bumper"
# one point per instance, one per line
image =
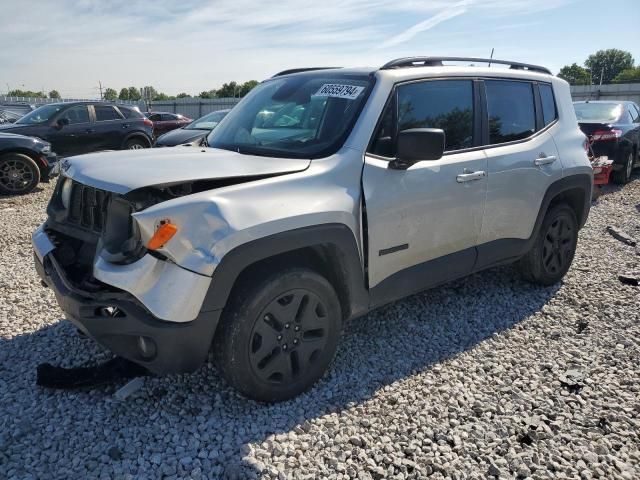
(119, 322)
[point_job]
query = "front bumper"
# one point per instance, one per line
(119, 322)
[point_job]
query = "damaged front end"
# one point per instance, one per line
(130, 299)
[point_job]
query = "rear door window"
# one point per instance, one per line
(634, 113)
(167, 117)
(511, 110)
(105, 113)
(549, 112)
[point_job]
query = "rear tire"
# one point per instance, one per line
(623, 175)
(278, 335)
(135, 144)
(554, 248)
(19, 174)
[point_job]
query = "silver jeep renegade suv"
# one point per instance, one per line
(323, 194)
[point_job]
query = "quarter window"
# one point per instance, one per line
(634, 113)
(511, 110)
(549, 112)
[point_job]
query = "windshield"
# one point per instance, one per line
(598, 112)
(40, 115)
(208, 122)
(302, 116)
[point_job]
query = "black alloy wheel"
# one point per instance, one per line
(553, 248)
(557, 246)
(288, 336)
(18, 174)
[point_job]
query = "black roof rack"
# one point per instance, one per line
(298, 70)
(437, 62)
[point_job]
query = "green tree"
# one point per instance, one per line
(110, 94)
(134, 94)
(54, 94)
(247, 87)
(183, 95)
(161, 96)
(630, 75)
(228, 90)
(575, 75)
(124, 94)
(608, 64)
(25, 93)
(207, 94)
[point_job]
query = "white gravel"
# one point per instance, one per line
(484, 377)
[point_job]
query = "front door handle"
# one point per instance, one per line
(469, 176)
(90, 130)
(544, 160)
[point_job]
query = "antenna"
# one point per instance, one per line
(491, 57)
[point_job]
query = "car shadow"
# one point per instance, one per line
(377, 350)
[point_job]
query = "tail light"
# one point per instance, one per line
(147, 122)
(606, 135)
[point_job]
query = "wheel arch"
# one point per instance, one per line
(132, 135)
(329, 249)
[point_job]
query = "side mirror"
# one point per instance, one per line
(418, 144)
(62, 122)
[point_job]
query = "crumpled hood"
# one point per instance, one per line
(127, 170)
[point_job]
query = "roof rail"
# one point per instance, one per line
(437, 62)
(298, 70)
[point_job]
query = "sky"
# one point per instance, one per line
(196, 45)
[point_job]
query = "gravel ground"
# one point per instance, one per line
(485, 377)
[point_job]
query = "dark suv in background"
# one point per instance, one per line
(79, 127)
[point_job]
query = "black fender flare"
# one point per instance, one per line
(336, 235)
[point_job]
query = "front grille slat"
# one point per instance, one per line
(87, 207)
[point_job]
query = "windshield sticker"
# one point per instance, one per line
(335, 90)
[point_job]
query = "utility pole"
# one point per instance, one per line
(601, 75)
(491, 57)
(100, 87)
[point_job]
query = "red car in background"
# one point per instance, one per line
(164, 122)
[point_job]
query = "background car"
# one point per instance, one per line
(7, 116)
(164, 122)
(192, 133)
(614, 130)
(79, 127)
(24, 162)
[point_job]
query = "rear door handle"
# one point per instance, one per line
(125, 125)
(544, 160)
(469, 176)
(90, 130)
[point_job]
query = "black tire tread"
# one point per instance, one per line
(236, 316)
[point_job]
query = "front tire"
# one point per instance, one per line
(278, 336)
(623, 175)
(554, 248)
(19, 174)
